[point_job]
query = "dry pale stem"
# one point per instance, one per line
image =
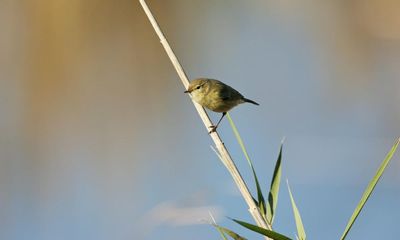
(223, 152)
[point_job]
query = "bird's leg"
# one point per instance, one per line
(214, 128)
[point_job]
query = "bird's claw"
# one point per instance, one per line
(213, 129)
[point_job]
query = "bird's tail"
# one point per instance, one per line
(250, 101)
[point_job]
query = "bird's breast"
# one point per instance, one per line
(214, 102)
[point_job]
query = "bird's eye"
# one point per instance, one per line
(198, 87)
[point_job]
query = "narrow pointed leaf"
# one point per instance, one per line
(221, 233)
(271, 234)
(230, 233)
(260, 197)
(274, 190)
(301, 233)
(214, 224)
(370, 188)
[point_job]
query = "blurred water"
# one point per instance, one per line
(98, 140)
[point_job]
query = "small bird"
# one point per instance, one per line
(216, 96)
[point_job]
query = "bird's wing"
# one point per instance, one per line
(227, 93)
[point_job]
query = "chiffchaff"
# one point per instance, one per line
(216, 96)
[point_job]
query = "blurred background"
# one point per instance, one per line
(98, 140)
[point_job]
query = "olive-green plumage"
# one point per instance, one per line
(216, 96)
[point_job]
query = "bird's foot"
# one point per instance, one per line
(213, 129)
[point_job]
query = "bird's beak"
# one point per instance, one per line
(187, 91)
